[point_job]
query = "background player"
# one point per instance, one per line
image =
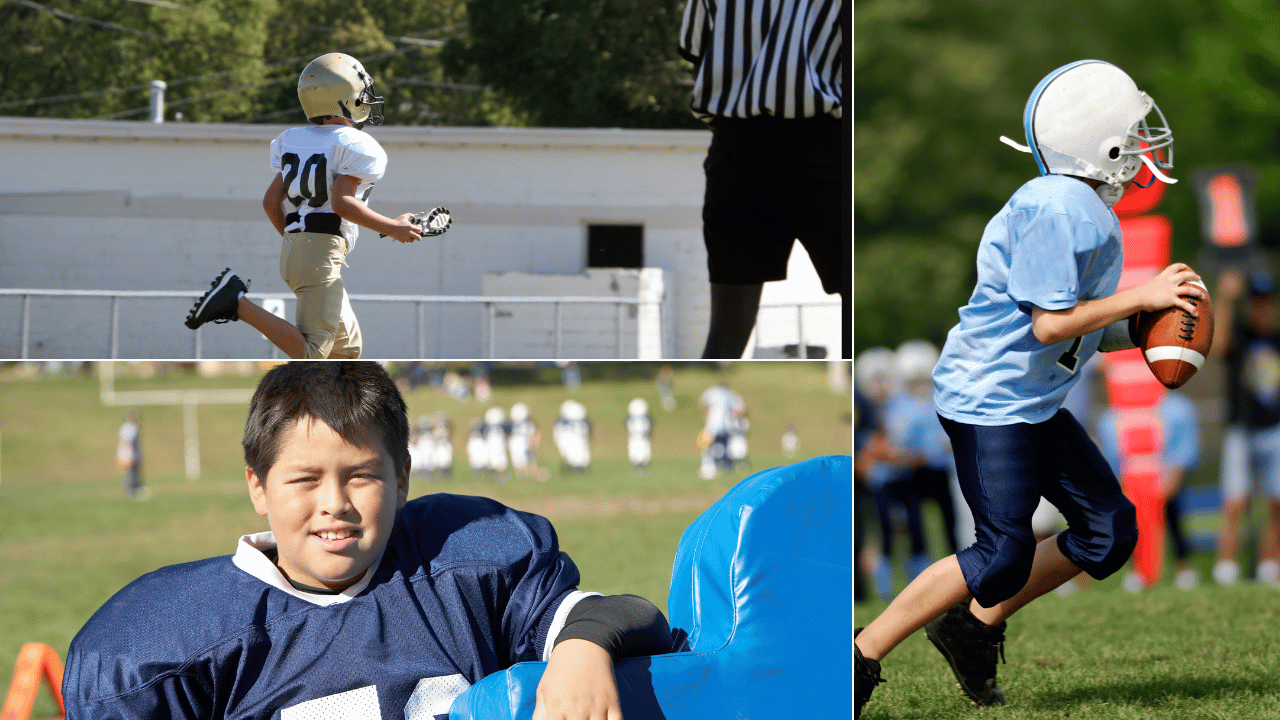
(1247, 335)
(1045, 300)
(317, 202)
(358, 602)
(639, 429)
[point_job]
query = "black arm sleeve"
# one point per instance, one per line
(625, 625)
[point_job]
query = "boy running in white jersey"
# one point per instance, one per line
(317, 202)
(1048, 268)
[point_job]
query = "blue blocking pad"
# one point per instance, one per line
(761, 591)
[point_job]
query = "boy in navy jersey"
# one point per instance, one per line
(317, 201)
(358, 604)
(1049, 265)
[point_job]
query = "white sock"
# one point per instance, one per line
(1226, 572)
(1268, 571)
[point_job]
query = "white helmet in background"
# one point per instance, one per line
(337, 84)
(1089, 119)
(494, 416)
(519, 412)
(874, 372)
(637, 407)
(915, 359)
(572, 410)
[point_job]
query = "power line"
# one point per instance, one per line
(242, 88)
(171, 83)
(70, 17)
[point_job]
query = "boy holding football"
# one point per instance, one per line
(1045, 301)
(317, 202)
(358, 603)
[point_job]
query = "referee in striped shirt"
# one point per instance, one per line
(768, 77)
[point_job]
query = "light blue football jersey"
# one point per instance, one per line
(1053, 244)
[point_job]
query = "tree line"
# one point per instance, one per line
(570, 63)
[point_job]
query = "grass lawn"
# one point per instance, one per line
(70, 540)
(1206, 653)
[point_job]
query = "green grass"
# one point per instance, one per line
(70, 540)
(1106, 653)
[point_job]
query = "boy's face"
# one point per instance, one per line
(330, 503)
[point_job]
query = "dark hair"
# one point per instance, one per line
(350, 397)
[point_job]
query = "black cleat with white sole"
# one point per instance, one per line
(219, 305)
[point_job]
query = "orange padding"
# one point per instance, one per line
(36, 661)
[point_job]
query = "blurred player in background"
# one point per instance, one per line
(572, 437)
(873, 378)
(1181, 425)
(523, 443)
(1247, 334)
(495, 440)
(421, 446)
(722, 407)
(129, 455)
(477, 449)
(639, 430)
(666, 387)
(1045, 300)
(317, 202)
(769, 83)
(790, 441)
(442, 447)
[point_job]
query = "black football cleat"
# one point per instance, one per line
(970, 647)
(220, 304)
(866, 676)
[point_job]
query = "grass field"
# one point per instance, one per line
(1211, 652)
(70, 540)
(1103, 652)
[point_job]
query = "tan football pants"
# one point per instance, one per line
(311, 265)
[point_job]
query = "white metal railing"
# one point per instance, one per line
(490, 304)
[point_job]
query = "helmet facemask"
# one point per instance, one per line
(367, 98)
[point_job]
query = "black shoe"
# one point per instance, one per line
(867, 675)
(219, 305)
(970, 647)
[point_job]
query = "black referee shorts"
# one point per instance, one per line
(770, 182)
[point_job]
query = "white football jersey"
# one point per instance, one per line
(309, 158)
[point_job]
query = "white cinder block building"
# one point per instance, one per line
(538, 213)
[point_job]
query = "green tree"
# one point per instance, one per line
(104, 55)
(580, 63)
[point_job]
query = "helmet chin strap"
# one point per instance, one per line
(1154, 171)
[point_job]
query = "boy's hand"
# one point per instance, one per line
(578, 684)
(1168, 290)
(405, 231)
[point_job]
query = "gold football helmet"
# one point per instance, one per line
(337, 84)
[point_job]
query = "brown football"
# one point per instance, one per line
(1175, 344)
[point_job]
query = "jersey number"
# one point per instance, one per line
(1070, 359)
(313, 185)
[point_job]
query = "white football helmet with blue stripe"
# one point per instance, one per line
(1089, 119)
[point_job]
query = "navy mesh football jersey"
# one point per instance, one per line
(465, 587)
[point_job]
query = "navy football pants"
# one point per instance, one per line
(1003, 471)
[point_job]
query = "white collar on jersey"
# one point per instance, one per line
(251, 558)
